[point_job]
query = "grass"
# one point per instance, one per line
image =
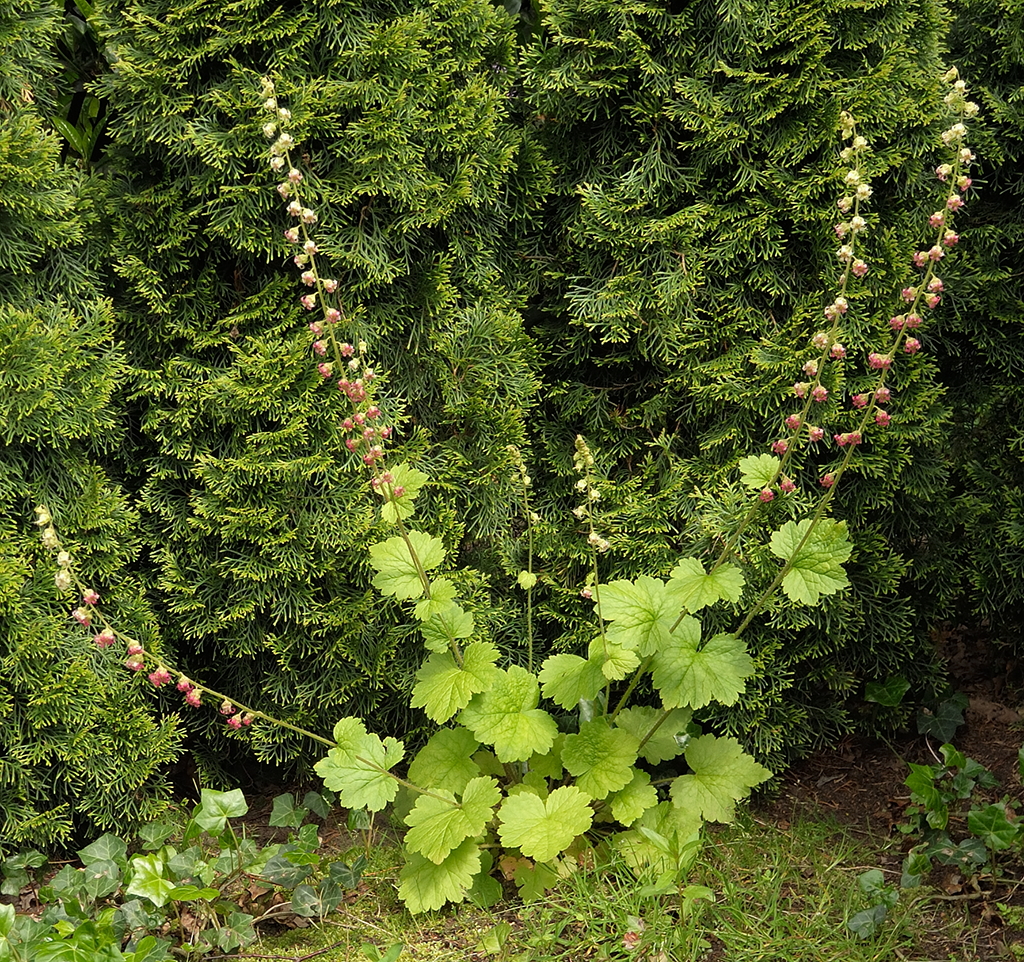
(779, 895)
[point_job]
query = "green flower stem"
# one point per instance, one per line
(661, 721)
(637, 675)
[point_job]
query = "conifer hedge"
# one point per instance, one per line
(577, 216)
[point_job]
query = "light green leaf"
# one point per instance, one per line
(357, 767)
(107, 848)
(616, 662)
(663, 745)
(816, 569)
(566, 679)
(446, 760)
(396, 571)
(217, 807)
(442, 596)
(686, 676)
(444, 627)
(507, 716)
(699, 589)
(600, 757)
(437, 826)
(633, 800)
(664, 840)
(148, 879)
(402, 507)
(722, 774)
(534, 881)
(759, 471)
(426, 886)
(542, 829)
(641, 613)
(443, 688)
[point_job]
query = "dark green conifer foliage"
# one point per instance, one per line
(79, 747)
(258, 516)
(686, 254)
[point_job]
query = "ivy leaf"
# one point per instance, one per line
(445, 626)
(759, 471)
(426, 886)
(722, 774)
(437, 826)
(443, 687)
(633, 800)
(357, 766)
(664, 744)
(889, 693)
(991, 825)
(542, 829)
(508, 718)
(442, 595)
(412, 479)
(446, 760)
(566, 679)
(600, 757)
(217, 807)
(616, 662)
(396, 572)
(148, 879)
(641, 613)
(688, 676)
(700, 589)
(816, 569)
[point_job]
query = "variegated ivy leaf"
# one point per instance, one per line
(437, 825)
(446, 761)
(396, 571)
(640, 613)
(816, 568)
(508, 718)
(442, 595)
(687, 675)
(759, 471)
(664, 744)
(600, 757)
(426, 886)
(700, 589)
(446, 626)
(633, 800)
(541, 829)
(722, 774)
(444, 687)
(566, 679)
(409, 478)
(357, 767)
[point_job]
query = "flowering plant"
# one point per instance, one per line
(536, 782)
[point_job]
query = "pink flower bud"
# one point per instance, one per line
(234, 722)
(911, 345)
(292, 235)
(937, 219)
(879, 362)
(859, 400)
(351, 444)
(859, 268)
(398, 490)
(330, 285)
(90, 597)
(935, 284)
(896, 323)
(316, 328)
(828, 480)
(347, 350)
(815, 434)
(248, 718)
(793, 422)
(819, 393)
(943, 171)
(780, 447)
(159, 677)
(359, 418)
(294, 208)
(320, 347)
(348, 424)
(908, 294)
(767, 495)
(136, 650)
(373, 412)
(135, 664)
(955, 202)
(183, 684)
(936, 253)
(295, 176)
(787, 486)
(325, 369)
(883, 395)
(310, 247)
(104, 639)
(838, 351)
(914, 320)
(932, 300)
(950, 238)
(882, 419)
(964, 182)
(308, 301)
(810, 368)
(81, 616)
(308, 217)
(300, 260)
(194, 698)
(385, 433)
(919, 258)
(284, 189)
(587, 593)
(800, 388)
(308, 278)
(820, 340)
(842, 230)
(333, 315)
(226, 708)
(369, 434)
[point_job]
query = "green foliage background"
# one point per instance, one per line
(592, 216)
